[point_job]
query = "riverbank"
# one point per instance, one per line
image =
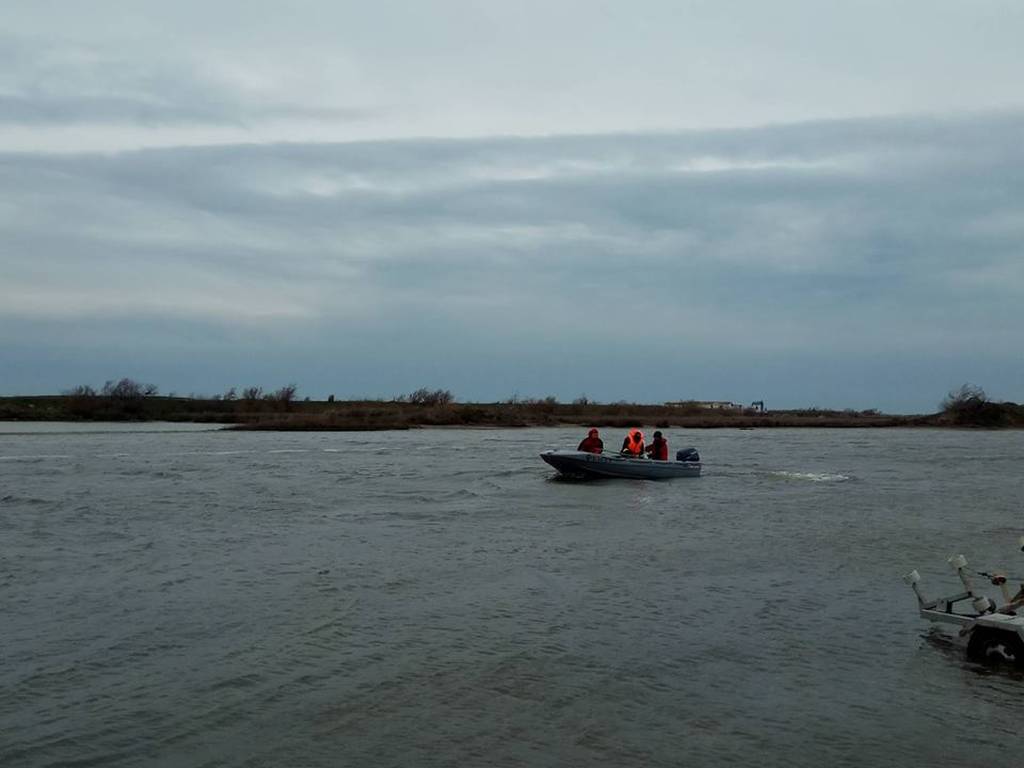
(365, 415)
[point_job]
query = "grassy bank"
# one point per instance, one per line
(271, 414)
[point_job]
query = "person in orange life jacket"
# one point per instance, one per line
(591, 443)
(658, 449)
(633, 444)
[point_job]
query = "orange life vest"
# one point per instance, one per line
(635, 444)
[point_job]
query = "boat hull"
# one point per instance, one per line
(613, 465)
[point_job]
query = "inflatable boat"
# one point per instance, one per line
(582, 464)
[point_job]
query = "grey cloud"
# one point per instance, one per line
(143, 74)
(226, 109)
(57, 83)
(892, 239)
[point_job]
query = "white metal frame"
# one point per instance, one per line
(1007, 617)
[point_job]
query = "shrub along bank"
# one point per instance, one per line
(281, 410)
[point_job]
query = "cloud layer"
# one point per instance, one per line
(148, 73)
(852, 262)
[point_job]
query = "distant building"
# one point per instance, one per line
(711, 405)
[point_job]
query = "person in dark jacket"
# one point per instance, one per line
(591, 443)
(658, 449)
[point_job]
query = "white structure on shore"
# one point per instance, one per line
(711, 405)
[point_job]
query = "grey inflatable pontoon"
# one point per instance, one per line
(579, 463)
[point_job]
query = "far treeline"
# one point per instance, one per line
(281, 409)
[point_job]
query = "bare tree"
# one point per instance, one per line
(82, 390)
(125, 389)
(420, 397)
(285, 395)
(967, 397)
(424, 396)
(252, 393)
(82, 400)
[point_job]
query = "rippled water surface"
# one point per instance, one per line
(176, 597)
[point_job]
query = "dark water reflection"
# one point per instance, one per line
(433, 598)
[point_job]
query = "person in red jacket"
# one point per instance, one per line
(658, 449)
(591, 443)
(633, 444)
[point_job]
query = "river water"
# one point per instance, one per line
(180, 597)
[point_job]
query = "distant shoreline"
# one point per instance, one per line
(373, 415)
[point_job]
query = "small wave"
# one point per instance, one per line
(163, 474)
(241, 681)
(35, 457)
(11, 499)
(814, 477)
(512, 472)
(461, 493)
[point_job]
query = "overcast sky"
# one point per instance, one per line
(802, 202)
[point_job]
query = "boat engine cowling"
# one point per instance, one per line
(687, 454)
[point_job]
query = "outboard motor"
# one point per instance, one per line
(688, 454)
